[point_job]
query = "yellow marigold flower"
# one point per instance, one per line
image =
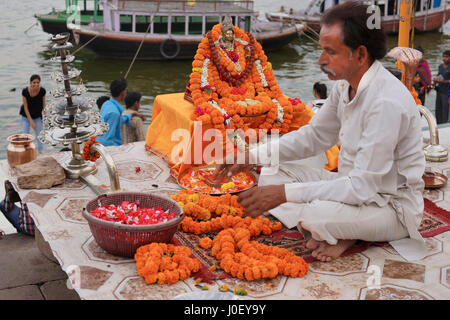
(227, 186)
(267, 66)
(197, 70)
(193, 198)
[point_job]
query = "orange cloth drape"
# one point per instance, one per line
(172, 112)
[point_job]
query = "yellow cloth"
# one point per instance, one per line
(172, 112)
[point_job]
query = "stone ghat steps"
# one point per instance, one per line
(28, 275)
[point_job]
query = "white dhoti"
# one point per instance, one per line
(328, 220)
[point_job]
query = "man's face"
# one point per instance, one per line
(123, 94)
(336, 58)
(446, 59)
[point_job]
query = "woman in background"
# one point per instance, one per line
(33, 98)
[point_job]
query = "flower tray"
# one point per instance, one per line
(123, 239)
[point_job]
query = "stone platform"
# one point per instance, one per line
(26, 273)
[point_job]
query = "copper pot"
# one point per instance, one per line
(21, 149)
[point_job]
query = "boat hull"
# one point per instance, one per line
(125, 47)
(422, 23)
(54, 27)
(57, 23)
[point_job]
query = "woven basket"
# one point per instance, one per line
(122, 239)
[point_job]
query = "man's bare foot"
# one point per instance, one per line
(312, 244)
(327, 252)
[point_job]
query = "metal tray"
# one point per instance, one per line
(252, 176)
(434, 180)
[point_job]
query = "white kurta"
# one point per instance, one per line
(381, 160)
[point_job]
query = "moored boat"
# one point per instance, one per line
(55, 22)
(173, 29)
(428, 15)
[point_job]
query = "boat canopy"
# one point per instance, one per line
(174, 16)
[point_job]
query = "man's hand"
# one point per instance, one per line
(258, 200)
(140, 115)
(231, 167)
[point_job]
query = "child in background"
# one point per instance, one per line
(100, 101)
(135, 131)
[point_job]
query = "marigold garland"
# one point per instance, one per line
(223, 93)
(215, 206)
(256, 226)
(238, 256)
(88, 153)
(163, 263)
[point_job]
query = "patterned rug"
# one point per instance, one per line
(435, 221)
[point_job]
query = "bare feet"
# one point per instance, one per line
(312, 244)
(327, 252)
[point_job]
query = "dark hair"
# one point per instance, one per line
(131, 98)
(34, 77)
(420, 49)
(321, 89)
(353, 17)
(396, 72)
(117, 86)
(447, 53)
(101, 100)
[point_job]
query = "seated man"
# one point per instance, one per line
(135, 131)
(376, 195)
(111, 112)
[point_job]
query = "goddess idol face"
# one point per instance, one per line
(228, 36)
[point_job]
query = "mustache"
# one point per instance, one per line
(327, 70)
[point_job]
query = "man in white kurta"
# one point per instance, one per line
(376, 195)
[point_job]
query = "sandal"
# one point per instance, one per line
(11, 193)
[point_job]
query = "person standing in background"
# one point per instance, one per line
(425, 80)
(112, 113)
(135, 131)
(33, 104)
(441, 86)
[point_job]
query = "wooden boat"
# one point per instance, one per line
(429, 15)
(173, 29)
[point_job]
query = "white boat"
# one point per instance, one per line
(173, 29)
(429, 15)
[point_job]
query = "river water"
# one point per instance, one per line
(24, 52)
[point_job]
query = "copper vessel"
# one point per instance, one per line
(21, 149)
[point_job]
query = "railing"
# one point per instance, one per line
(184, 6)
